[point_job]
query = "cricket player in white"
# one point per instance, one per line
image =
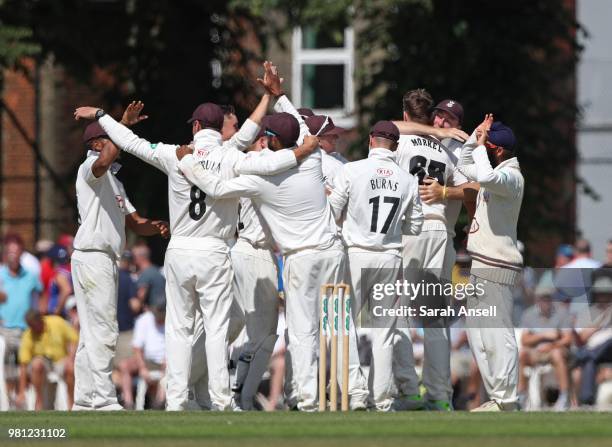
(197, 265)
(99, 242)
(295, 207)
(380, 201)
(256, 293)
(323, 127)
(322, 124)
(496, 259)
(425, 156)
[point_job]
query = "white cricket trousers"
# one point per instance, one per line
(95, 280)
(304, 273)
(383, 268)
(426, 251)
(197, 281)
(256, 293)
(493, 341)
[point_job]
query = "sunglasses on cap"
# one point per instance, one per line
(270, 133)
(323, 126)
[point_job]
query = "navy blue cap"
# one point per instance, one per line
(59, 254)
(502, 135)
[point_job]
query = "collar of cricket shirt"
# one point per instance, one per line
(380, 152)
(115, 167)
(207, 138)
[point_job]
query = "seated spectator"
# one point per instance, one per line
(60, 287)
(151, 284)
(575, 278)
(546, 338)
(124, 360)
(21, 289)
(47, 347)
(150, 349)
(583, 258)
(593, 336)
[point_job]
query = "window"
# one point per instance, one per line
(322, 72)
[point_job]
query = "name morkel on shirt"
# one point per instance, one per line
(103, 205)
(425, 156)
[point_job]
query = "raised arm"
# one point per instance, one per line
(273, 84)
(160, 155)
(500, 182)
(412, 128)
(213, 186)
(280, 161)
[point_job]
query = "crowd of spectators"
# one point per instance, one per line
(563, 319)
(39, 323)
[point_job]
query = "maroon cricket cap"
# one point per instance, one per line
(262, 127)
(385, 129)
(305, 112)
(285, 127)
(93, 131)
(209, 115)
(321, 125)
(453, 107)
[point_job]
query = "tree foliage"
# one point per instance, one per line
(516, 59)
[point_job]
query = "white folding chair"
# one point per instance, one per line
(142, 387)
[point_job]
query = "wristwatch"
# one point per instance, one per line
(99, 114)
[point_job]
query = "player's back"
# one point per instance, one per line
(295, 207)
(198, 215)
(379, 195)
(425, 156)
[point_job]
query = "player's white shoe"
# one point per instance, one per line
(111, 407)
(76, 407)
(493, 406)
(489, 406)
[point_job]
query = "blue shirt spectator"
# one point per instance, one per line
(21, 290)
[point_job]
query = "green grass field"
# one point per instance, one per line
(298, 429)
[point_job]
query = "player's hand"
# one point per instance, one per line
(451, 132)
(310, 143)
(184, 150)
(163, 227)
(430, 191)
(132, 114)
(88, 113)
(271, 81)
(482, 131)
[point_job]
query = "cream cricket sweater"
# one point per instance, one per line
(492, 239)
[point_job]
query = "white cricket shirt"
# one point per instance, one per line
(380, 202)
(196, 220)
(103, 205)
(292, 203)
